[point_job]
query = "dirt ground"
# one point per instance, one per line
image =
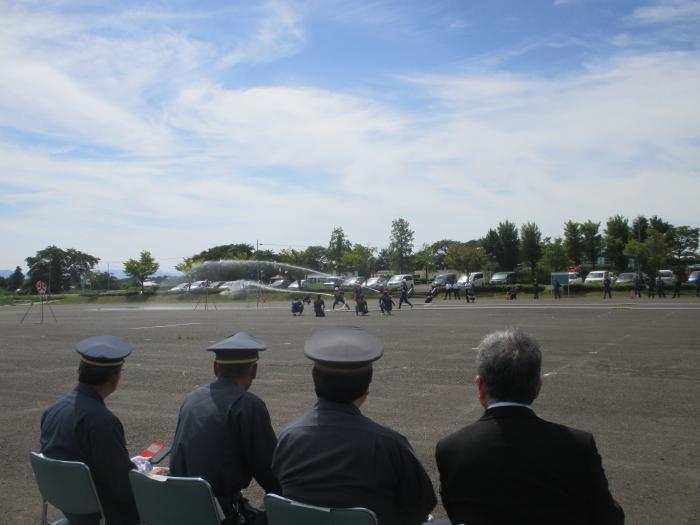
(628, 372)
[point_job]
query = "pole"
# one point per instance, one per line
(257, 249)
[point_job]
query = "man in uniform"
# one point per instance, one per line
(334, 456)
(79, 427)
(606, 286)
(403, 298)
(224, 433)
(513, 467)
(660, 287)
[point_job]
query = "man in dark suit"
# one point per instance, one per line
(513, 467)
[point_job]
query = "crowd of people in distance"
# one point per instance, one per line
(510, 466)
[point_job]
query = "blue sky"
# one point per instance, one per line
(176, 126)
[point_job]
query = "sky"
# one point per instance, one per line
(176, 126)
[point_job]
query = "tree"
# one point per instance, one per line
(573, 241)
(465, 257)
(662, 227)
(104, 281)
(401, 245)
(426, 259)
(338, 245)
(223, 252)
(639, 228)
(554, 258)
(684, 244)
(16, 280)
(316, 258)
(142, 268)
(359, 259)
(592, 241)
(657, 250)
(508, 246)
(531, 245)
(490, 244)
(59, 268)
(617, 234)
(440, 250)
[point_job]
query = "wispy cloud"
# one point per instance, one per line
(665, 11)
(120, 133)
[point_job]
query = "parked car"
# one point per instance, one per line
(502, 278)
(280, 283)
(442, 279)
(297, 285)
(376, 283)
(597, 277)
(575, 278)
(667, 276)
(694, 277)
(629, 278)
(394, 283)
(476, 279)
(182, 287)
(353, 281)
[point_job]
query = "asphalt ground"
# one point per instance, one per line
(627, 371)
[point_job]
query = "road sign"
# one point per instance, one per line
(41, 287)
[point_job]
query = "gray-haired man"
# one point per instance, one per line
(513, 467)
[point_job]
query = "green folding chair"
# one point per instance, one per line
(66, 485)
(166, 500)
(283, 511)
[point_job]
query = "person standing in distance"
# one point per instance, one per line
(510, 466)
(79, 427)
(224, 433)
(403, 298)
(334, 456)
(606, 286)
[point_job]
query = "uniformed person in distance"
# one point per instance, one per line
(224, 433)
(79, 427)
(334, 456)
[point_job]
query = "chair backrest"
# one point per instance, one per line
(67, 485)
(283, 511)
(165, 500)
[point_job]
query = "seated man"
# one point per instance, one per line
(513, 467)
(336, 457)
(224, 433)
(79, 427)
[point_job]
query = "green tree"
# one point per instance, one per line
(684, 244)
(592, 241)
(657, 250)
(59, 268)
(401, 245)
(490, 244)
(639, 228)
(508, 246)
(338, 245)
(554, 257)
(465, 257)
(440, 250)
(142, 268)
(16, 280)
(316, 258)
(617, 234)
(359, 259)
(531, 245)
(662, 227)
(426, 259)
(573, 241)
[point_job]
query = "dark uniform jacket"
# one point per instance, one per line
(335, 457)
(79, 427)
(225, 436)
(513, 467)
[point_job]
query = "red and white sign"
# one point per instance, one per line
(41, 287)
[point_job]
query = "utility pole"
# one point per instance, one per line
(257, 259)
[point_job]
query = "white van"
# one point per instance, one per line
(395, 282)
(476, 279)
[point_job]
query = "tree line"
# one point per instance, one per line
(643, 244)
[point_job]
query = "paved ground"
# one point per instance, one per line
(630, 373)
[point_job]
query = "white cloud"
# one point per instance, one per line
(668, 11)
(191, 162)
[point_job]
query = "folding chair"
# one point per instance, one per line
(165, 500)
(66, 485)
(283, 511)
